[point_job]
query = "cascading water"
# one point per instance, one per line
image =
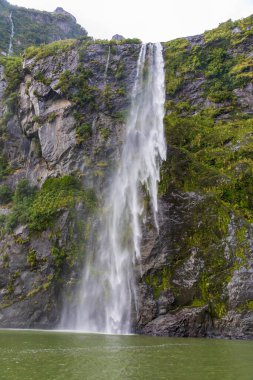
(108, 292)
(10, 50)
(107, 63)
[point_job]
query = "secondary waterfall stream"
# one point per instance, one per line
(107, 63)
(10, 50)
(108, 291)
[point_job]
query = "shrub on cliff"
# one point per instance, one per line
(5, 194)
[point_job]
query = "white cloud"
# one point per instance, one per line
(156, 20)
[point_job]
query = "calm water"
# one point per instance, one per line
(37, 355)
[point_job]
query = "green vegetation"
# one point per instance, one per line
(5, 29)
(52, 49)
(32, 258)
(83, 132)
(56, 195)
(4, 167)
(211, 157)
(212, 153)
(160, 281)
(14, 75)
(39, 208)
(213, 62)
(105, 133)
(5, 194)
(75, 87)
(22, 200)
(114, 42)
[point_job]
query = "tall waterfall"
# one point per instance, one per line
(108, 290)
(10, 50)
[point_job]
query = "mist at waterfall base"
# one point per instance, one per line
(107, 296)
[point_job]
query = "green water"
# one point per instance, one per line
(38, 355)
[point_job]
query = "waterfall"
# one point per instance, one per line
(108, 292)
(10, 51)
(107, 64)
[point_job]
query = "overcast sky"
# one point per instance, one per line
(150, 20)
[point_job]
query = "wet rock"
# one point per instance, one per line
(187, 322)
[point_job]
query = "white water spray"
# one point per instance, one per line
(10, 50)
(108, 292)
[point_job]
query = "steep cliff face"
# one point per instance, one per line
(198, 273)
(63, 115)
(32, 27)
(68, 124)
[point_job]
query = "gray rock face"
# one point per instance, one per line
(118, 37)
(170, 279)
(245, 98)
(2, 82)
(187, 322)
(61, 11)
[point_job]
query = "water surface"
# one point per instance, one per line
(42, 355)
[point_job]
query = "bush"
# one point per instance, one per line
(4, 168)
(22, 200)
(83, 132)
(56, 195)
(23, 191)
(5, 194)
(39, 208)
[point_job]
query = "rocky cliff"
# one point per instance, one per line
(33, 27)
(62, 121)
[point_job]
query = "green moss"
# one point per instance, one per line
(39, 289)
(207, 155)
(176, 54)
(250, 305)
(10, 288)
(160, 281)
(120, 73)
(52, 117)
(198, 303)
(241, 234)
(59, 255)
(73, 252)
(6, 260)
(246, 306)
(32, 258)
(121, 116)
(83, 132)
(104, 132)
(20, 240)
